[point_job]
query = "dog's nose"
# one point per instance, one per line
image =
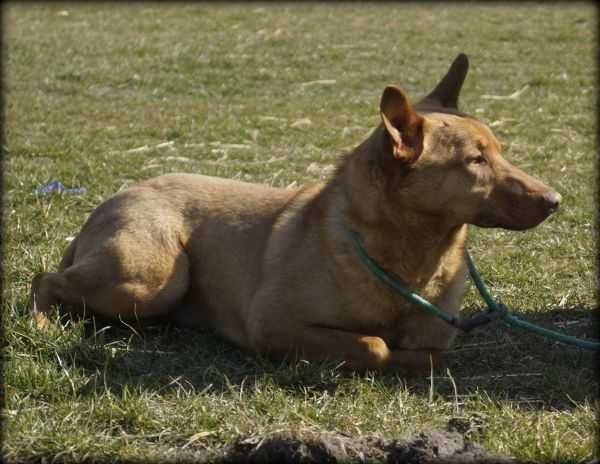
(552, 200)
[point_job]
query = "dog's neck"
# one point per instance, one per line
(410, 243)
(414, 251)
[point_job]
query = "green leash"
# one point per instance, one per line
(494, 309)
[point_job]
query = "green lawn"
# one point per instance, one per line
(103, 96)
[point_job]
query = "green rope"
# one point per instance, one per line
(395, 285)
(494, 309)
(513, 320)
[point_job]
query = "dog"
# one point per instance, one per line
(275, 270)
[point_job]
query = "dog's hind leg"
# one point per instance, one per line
(49, 290)
(106, 284)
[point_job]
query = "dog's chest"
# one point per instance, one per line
(404, 325)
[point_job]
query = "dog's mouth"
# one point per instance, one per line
(488, 221)
(489, 225)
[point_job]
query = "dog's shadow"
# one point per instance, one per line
(497, 361)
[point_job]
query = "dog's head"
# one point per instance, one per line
(443, 162)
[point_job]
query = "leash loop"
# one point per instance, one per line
(494, 310)
(481, 318)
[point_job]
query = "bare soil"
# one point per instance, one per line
(312, 446)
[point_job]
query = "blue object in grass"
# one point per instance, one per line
(56, 186)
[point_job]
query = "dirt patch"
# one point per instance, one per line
(308, 446)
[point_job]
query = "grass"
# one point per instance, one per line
(225, 86)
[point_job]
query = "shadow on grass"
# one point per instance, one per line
(496, 361)
(512, 363)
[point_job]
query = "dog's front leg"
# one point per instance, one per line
(358, 351)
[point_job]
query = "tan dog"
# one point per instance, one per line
(275, 271)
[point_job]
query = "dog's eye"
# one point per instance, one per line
(479, 159)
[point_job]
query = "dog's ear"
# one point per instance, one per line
(404, 127)
(445, 94)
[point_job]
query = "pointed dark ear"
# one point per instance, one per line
(404, 127)
(445, 94)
